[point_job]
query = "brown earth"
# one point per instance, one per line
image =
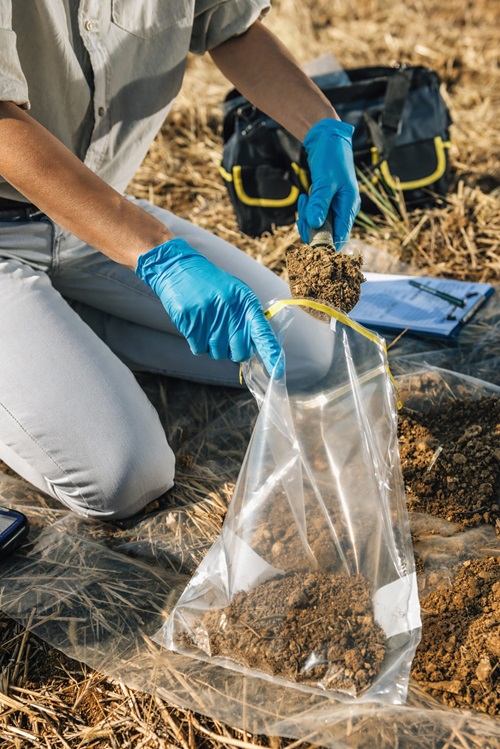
(450, 459)
(277, 538)
(325, 275)
(325, 544)
(313, 627)
(458, 657)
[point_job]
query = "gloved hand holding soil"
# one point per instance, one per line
(316, 271)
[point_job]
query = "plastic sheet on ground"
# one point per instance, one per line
(99, 592)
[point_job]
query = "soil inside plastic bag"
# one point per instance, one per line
(325, 275)
(308, 627)
(277, 538)
(450, 457)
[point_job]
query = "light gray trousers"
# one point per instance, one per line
(73, 324)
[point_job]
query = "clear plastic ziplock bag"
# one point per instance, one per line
(312, 580)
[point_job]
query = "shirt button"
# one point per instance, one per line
(101, 111)
(88, 25)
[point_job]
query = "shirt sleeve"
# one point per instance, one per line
(216, 21)
(13, 85)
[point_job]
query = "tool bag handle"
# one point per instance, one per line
(383, 133)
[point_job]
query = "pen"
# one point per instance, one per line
(441, 294)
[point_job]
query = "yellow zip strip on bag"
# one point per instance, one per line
(273, 310)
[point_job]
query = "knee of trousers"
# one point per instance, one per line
(119, 481)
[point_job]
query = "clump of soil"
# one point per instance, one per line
(458, 659)
(277, 539)
(307, 627)
(327, 276)
(450, 459)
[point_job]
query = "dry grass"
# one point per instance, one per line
(460, 40)
(48, 700)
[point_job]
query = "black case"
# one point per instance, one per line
(15, 538)
(401, 133)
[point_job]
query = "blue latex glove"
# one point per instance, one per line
(216, 312)
(331, 162)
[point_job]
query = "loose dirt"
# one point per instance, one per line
(450, 459)
(325, 275)
(458, 657)
(277, 538)
(278, 541)
(313, 627)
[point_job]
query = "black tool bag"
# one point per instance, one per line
(400, 140)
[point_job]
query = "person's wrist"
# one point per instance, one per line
(137, 231)
(306, 119)
(151, 241)
(160, 259)
(329, 127)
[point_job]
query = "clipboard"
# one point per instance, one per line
(390, 302)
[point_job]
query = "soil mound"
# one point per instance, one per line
(458, 657)
(450, 459)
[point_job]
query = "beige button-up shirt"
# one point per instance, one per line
(101, 75)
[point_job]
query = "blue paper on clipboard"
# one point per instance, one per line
(389, 302)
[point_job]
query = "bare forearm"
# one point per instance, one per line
(60, 185)
(264, 71)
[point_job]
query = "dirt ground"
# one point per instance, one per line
(451, 467)
(458, 657)
(278, 541)
(451, 461)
